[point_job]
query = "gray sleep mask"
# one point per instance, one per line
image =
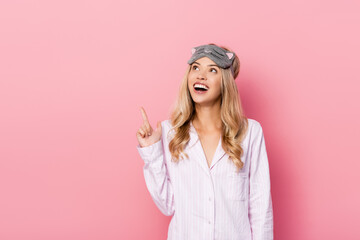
(220, 56)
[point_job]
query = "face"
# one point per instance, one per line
(204, 71)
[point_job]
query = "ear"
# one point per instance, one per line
(193, 50)
(230, 55)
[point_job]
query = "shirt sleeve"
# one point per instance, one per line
(260, 202)
(156, 177)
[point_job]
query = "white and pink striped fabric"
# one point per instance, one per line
(211, 203)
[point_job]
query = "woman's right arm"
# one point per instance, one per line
(156, 175)
(157, 178)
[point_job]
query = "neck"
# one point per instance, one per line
(207, 118)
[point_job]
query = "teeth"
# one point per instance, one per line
(200, 86)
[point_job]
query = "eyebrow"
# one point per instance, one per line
(208, 65)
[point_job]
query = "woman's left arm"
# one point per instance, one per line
(260, 202)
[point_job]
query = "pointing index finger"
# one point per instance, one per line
(144, 116)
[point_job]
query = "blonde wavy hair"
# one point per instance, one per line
(234, 122)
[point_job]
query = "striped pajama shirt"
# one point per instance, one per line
(215, 202)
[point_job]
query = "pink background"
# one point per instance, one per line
(73, 75)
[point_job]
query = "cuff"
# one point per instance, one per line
(151, 152)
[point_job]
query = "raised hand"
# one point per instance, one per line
(145, 135)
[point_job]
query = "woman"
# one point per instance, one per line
(207, 165)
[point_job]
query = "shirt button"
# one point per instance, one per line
(209, 222)
(210, 199)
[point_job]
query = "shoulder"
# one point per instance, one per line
(165, 128)
(254, 125)
(254, 129)
(166, 124)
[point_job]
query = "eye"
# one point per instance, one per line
(214, 69)
(194, 67)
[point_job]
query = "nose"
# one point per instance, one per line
(201, 75)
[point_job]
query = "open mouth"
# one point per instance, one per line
(200, 88)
